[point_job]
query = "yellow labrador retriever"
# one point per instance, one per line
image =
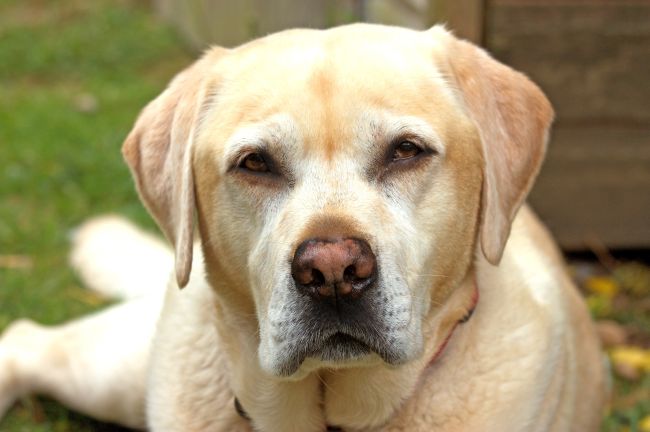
(365, 259)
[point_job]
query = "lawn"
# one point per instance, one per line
(73, 76)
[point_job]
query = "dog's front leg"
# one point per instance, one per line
(96, 365)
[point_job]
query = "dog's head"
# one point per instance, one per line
(343, 181)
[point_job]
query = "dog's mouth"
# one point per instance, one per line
(341, 347)
(365, 330)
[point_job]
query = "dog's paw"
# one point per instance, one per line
(19, 343)
(9, 385)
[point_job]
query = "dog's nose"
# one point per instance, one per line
(334, 268)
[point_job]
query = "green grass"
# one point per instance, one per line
(633, 400)
(60, 161)
(73, 76)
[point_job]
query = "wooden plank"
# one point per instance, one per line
(596, 183)
(560, 3)
(593, 59)
(230, 23)
(464, 17)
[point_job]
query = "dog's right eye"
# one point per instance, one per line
(405, 150)
(254, 162)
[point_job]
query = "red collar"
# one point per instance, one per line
(463, 320)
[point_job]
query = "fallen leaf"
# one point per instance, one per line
(16, 262)
(602, 285)
(86, 296)
(86, 103)
(630, 362)
(644, 424)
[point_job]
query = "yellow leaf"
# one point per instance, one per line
(86, 296)
(644, 424)
(637, 358)
(604, 286)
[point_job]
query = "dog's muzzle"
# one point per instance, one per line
(339, 308)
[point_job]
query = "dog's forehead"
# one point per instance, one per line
(328, 82)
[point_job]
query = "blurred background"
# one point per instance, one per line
(75, 73)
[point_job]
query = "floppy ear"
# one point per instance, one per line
(513, 118)
(159, 153)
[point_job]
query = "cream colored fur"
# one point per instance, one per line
(327, 105)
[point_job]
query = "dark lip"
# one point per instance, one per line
(338, 347)
(349, 332)
(341, 347)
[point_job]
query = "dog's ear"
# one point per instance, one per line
(513, 118)
(158, 151)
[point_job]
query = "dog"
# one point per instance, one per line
(363, 259)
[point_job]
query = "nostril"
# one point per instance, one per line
(317, 278)
(302, 274)
(350, 273)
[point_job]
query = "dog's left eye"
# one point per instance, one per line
(405, 150)
(254, 162)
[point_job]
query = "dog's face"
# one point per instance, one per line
(340, 178)
(341, 183)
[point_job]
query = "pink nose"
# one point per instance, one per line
(334, 268)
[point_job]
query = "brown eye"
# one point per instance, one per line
(405, 150)
(254, 162)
